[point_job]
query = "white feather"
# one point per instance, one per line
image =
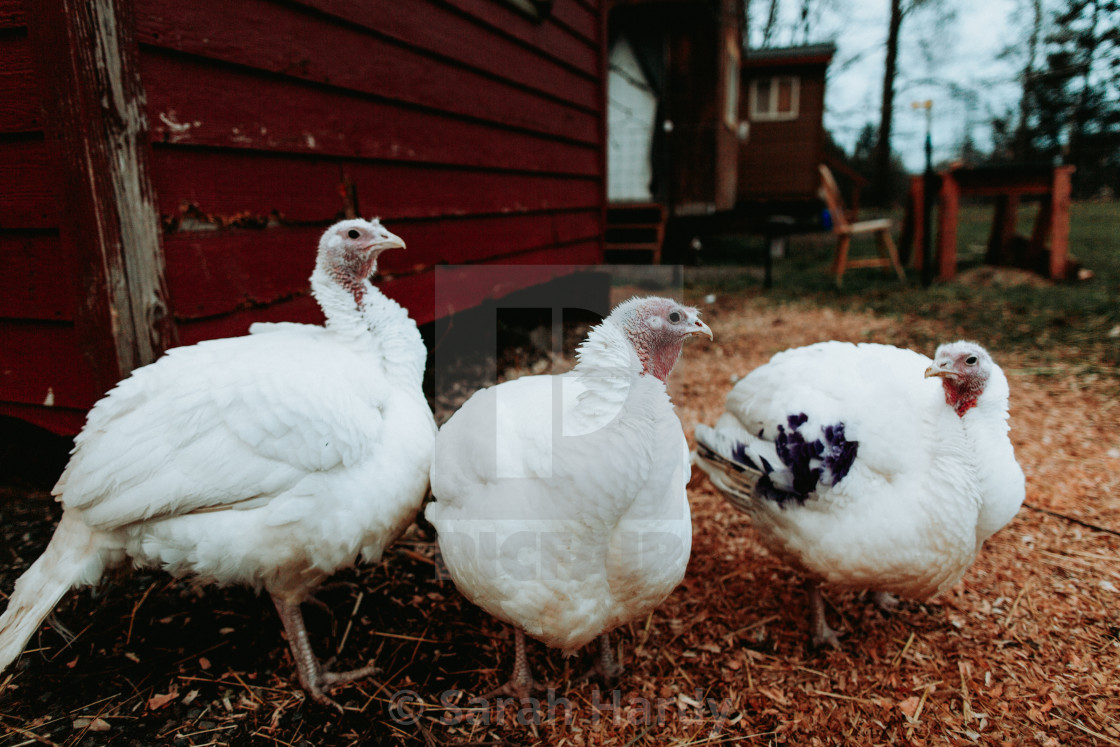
(924, 491)
(560, 500)
(270, 460)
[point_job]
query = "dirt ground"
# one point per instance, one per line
(1025, 650)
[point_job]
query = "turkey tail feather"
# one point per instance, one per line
(75, 556)
(715, 455)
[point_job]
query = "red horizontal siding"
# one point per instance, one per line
(12, 14)
(581, 19)
(497, 237)
(303, 310)
(549, 38)
(417, 292)
(29, 182)
(464, 288)
(581, 253)
(51, 365)
(407, 193)
(19, 96)
(65, 421)
(442, 32)
(213, 273)
(44, 360)
(307, 189)
(472, 130)
(301, 46)
(36, 280)
(191, 102)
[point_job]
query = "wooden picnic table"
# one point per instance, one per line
(1007, 184)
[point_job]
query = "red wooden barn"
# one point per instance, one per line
(783, 99)
(168, 166)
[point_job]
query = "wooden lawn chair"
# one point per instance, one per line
(844, 231)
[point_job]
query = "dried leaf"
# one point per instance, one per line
(88, 724)
(909, 706)
(158, 701)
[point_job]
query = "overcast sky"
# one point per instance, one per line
(973, 83)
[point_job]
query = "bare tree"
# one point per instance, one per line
(800, 30)
(900, 10)
(803, 23)
(771, 23)
(1022, 131)
(882, 159)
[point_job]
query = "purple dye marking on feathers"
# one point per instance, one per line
(834, 455)
(740, 455)
(839, 453)
(797, 454)
(764, 488)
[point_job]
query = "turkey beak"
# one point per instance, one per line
(387, 241)
(941, 370)
(699, 328)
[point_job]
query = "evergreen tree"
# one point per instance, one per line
(1006, 138)
(1077, 96)
(863, 154)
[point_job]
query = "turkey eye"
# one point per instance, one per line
(353, 233)
(971, 360)
(675, 317)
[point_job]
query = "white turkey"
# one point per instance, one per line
(560, 500)
(869, 466)
(270, 460)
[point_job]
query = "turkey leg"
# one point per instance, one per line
(312, 676)
(818, 625)
(521, 683)
(605, 664)
(885, 601)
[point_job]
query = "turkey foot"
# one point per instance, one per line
(606, 666)
(818, 625)
(58, 626)
(885, 601)
(521, 683)
(313, 676)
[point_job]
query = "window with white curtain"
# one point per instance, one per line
(774, 98)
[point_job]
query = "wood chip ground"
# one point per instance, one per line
(1024, 651)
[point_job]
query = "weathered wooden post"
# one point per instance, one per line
(97, 129)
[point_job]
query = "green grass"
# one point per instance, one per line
(1076, 323)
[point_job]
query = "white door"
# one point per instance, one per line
(632, 109)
